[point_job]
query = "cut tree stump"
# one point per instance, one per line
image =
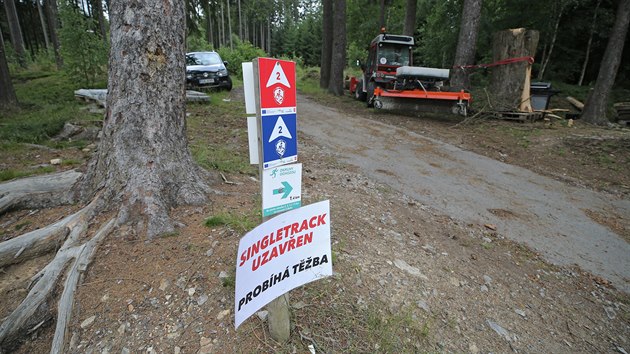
(510, 83)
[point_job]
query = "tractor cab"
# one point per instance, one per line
(386, 54)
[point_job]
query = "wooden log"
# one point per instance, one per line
(577, 104)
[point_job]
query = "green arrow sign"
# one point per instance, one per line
(286, 190)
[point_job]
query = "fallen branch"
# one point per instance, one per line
(39, 191)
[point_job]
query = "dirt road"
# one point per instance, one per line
(547, 215)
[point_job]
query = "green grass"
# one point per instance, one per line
(238, 222)
(222, 158)
(46, 103)
(9, 174)
(22, 225)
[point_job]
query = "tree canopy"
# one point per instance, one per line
(573, 33)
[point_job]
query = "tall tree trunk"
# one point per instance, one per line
(229, 16)
(53, 26)
(208, 26)
(15, 32)
(597, 102)
(554, 36)
(410, 17)
(381, 18)
(588, 45)
(269, 38)
(240, 22)
(102, 28)
(7, 94)
(466, 43)
(222, 31)
(143, 164)
(42, 20)
(262, 36)
(338, 57)
(327, 38)
(510, 82)
(246, 27)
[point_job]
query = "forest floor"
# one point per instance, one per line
(407, 278)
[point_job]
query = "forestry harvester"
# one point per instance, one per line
(390, 82)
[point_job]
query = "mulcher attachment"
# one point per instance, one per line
(421, 89)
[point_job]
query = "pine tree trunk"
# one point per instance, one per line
(381, 15)
(53, 25)
(553, 42)
(98, 8)
(222, 30)
(327, 39)
(597, 102)
(15, 32)
(143, 166)
(466, 43)
(268, 38)
(338, 57)
(240, 22)
(410, 17)
(42, 19)
(7, 94)
(229, 16)
(206, 8)
(510, 82)
(588, 45)
(262, 36)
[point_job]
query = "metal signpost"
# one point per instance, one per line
(272, 257)
(276, 96)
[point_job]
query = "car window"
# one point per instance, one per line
(203, 59)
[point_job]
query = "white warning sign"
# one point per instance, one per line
(278, 77)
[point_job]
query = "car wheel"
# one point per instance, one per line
(228, 87)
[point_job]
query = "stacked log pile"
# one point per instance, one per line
(623, 112)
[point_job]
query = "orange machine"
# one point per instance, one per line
(390, 82)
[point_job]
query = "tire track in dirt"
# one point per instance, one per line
(545, 214)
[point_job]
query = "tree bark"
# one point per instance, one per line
(510, 82)
(53, 26)
(410, 17)
(42, 20)
(588, 45)
(7, 94)
(338, 57)
(381, 15)
(327, 38)
(466, 43)
(553, 40)
(98, 8)
(269, 38)
(222, 29)
(597, 102)
(240, 22)
(229, 16)
(15, 32)
(208, 26)
(143, 164)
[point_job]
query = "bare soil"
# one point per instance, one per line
(407, 278)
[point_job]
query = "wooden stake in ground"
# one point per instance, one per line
(509, 83)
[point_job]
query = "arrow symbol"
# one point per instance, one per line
(286, 190)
